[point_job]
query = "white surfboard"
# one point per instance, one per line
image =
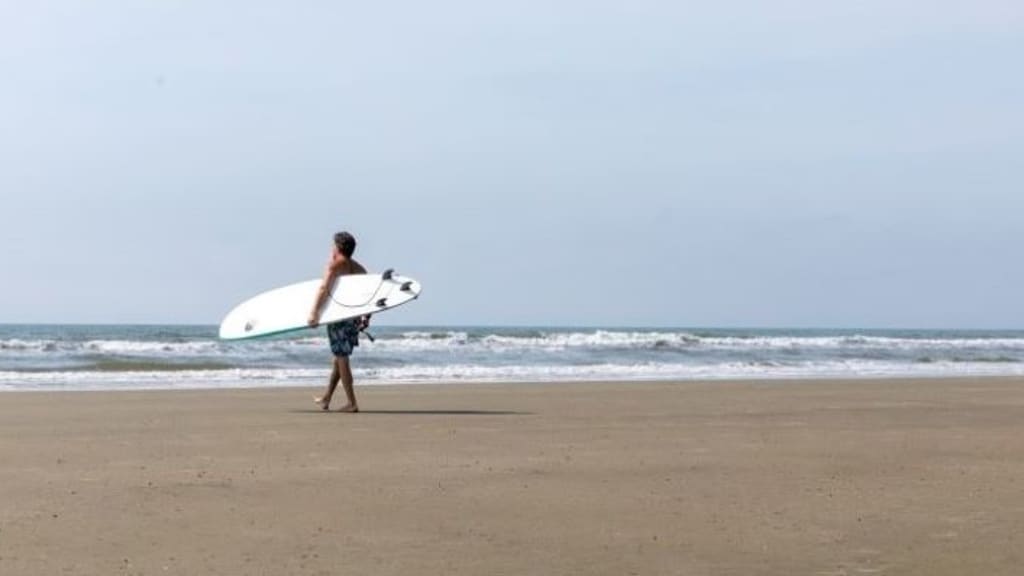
(286, 309)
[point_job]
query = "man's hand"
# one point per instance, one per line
(313, 321)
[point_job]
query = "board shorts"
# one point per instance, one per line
(344, 337)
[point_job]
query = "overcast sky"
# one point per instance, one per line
(784, 163)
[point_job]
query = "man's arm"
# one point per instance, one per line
(330, 276)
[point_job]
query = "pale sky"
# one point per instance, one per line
(765, 164)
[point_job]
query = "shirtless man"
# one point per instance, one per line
(343, 335)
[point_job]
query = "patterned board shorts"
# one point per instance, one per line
(344, 337)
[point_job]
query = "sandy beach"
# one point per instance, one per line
(800, 477)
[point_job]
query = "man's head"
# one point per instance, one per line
(346, 243)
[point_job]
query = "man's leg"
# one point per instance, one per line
(325, 400)
(342, 367)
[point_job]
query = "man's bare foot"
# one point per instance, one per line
(350, 408)
(324, 403)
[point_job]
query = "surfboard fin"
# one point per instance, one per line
(382, 302)
(407, 287)
(388, 274)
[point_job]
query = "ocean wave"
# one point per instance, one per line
(536, 340)
(129, 347)
(17, 345)
(682, 342)
(68, 357)
(111, 346)
(553, 341)
(858, 342)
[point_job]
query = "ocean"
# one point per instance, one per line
(131, 357)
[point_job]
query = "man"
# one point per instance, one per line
(343, 335)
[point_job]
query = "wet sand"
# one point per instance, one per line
(809, 477)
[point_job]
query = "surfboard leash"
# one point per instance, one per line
(363, 328)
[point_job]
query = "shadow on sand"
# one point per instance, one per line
(422, 412)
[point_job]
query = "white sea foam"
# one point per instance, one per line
(201, 379)
(453, 373)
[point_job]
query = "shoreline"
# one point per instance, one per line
(372, 384)
(907, 476)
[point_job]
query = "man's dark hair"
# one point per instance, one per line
(346, 243)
